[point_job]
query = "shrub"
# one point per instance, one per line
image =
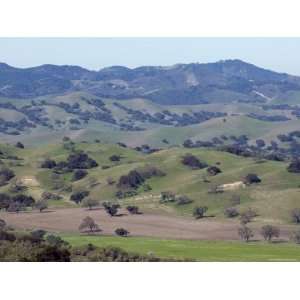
(183, 200)
(269, 232)
(38, 234)
(55, 241)
(193, 162)
(19, 145)
(245, 233)
(134, 210)
(231, 212)
(79, 174)
(167, 197)
(199, 212)
(122, 232)
(213, 170)
(115, 157)
(251, 178)
(53, 254)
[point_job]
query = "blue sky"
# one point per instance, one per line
(279, 54)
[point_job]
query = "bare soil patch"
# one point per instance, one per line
(148, 225)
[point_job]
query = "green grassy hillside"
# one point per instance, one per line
(237, 122)
(273, 198)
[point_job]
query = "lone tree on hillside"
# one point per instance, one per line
(251, 178)
(41, 205)
(115, 157)
(122, 232)
(269, 232)
(88, 223)
(295, 215)
(90, 203)
(245, 233)
(213, 170)
(199, 212)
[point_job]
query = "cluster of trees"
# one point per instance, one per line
(39, 246)
(239, 145)
(35, 246)
(193, 162)
(170, 118)
(274, 118)
(101, 114)
(77, 197)
(16, 203)
(90, 226)
(78, 160)
(268, 232)
(137, 177)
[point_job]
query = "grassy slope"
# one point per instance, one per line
(273, 198)
(154, 133)
(196, 250)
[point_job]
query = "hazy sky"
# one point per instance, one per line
(279, 54)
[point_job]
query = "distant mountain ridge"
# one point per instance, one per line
(195, 83)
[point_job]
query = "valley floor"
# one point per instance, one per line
(67, 220)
